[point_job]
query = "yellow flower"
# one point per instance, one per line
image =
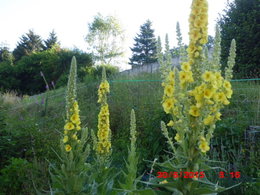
(227, 84)
(195, 35)
(218, 115)
(185, 66)
(218, 76)
(171, 75)
(229, 93)
(196, 54)
(168, 90)
(209, 120)
(190, 78)
(208, 76)
(202, 139)
(75, 105)
(65, 139)
(74, 118)
(74, 136)
(68, 147)
(208, 93)
(69, 126)
(78, 127)
(171, 123)
(194, 111)
(204, 146)
(163, 182)
(168, 105)
(183, 76)
(221, 97)
(177, 137)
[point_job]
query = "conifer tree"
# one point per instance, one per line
(29, 43)
(241, 22)
(51, 41)
(144, 50)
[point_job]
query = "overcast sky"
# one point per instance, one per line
(69, 18)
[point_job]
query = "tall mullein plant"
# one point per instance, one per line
(193, 97)
(102, 178)
(132, 160)
(103, 142)
(70, 177)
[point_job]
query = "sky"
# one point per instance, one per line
(70, 19)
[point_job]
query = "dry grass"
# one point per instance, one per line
(10, 98)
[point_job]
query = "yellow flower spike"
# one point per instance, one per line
(68, 147)
(69, 126)
(194, 111)
(103, 134)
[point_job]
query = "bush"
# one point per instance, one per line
(15, 176)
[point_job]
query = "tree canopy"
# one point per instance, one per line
(29, 43)
(241, 21)
(105, 39)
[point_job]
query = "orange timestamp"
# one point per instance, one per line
(181, 174)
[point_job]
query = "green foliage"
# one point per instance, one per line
(5, 54)
(25, 77)
(14, 177)
(71, 176)
(144, 50)
(8, 75)
(241, 22)
(96, 72)
(104, 39)
(132, 161)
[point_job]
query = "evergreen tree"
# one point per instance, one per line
(29, 43)
(144, 50)
(241, 21)
(5, 54)
(51, 41)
